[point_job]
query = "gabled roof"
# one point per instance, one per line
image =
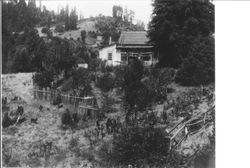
(133, 38)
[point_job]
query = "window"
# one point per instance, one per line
(123, 57)
(146, 58)
(109, 56)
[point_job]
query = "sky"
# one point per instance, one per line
(142, 8)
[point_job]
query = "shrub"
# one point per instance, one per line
(81, 81)
(59, 28)
(107, 104)
(132, 82)
(106, 82)
(43, 79)
(105, 152)
(66, 118)
(158, 81)
(74, 146)
(67, 84)
(9, 158)
(140, 145)
(198, 68)
(119, 76)
(73, 143)
(45, 30)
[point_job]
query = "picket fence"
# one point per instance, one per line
(79, 103)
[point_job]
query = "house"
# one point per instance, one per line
(135, 44)
(110, 55)
(131, 45)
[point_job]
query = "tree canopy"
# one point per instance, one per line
(176, 24)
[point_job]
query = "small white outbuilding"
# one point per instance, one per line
(110, 55)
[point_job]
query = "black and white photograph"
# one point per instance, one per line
(108, 83)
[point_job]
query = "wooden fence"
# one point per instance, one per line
(183, 126)
(49, 95)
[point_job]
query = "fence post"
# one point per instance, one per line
(39, 93)
(48, 94)
(44, 94)
(34, 92)
(68, 99)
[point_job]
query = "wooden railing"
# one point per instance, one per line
(50, 95)
(185, 127)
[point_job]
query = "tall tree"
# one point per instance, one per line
(176, 24)
(117, 11)
(73, 20)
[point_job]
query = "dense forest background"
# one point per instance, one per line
(25, 51)
(181, 31)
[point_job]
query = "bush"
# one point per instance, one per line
(106, 82)
(81, 81)
(59, 28)
(199, 67)
(158, 81)
(132, 82)
(45, 30)
(66, 118)
(43, 79)
(67, 84)
(140, 145)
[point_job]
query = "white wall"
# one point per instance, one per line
(116, 56)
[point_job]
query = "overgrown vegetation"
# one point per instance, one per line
(112, 26)
(186, 42)
(199, 67)
(19, 20)
(137, 135)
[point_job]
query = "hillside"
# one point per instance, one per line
(86, 25)
(26, 138)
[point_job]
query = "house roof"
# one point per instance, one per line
(133, 38)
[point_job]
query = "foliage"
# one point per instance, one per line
(107, 103)
(21, 62)
(66, 118)
(117, 11)
(20, 53)
(174, 37)
(92, 34)
(59, 28)
(59, 56)
(140, 145)
(105, 82)
(119, 72)
(132, 82)
(158, 81)
(83, 36)
(73, 18)
(19, 20)
(43, 79)
(17, 16)
(122, 20)
(45, 30)
(81, 81)
(105, 152)
(74, 145)
(9, 158)
(198, 67)
(96, 64)
(67, 84)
